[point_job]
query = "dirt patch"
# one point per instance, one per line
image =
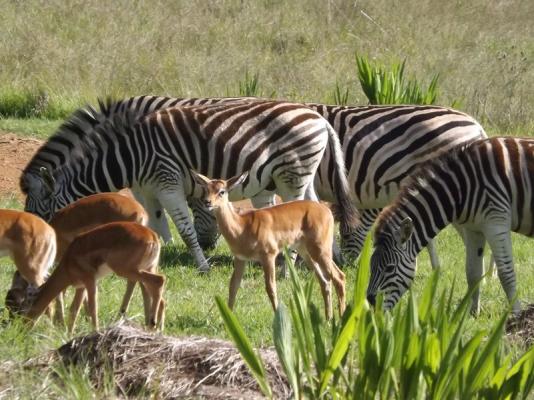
(15, 153)
(521, 327)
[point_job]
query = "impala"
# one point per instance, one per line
(128, 249)
(259, 235)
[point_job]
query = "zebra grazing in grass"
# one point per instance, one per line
(72, 135)
(486, 187)
(280, 143)
(382, 145)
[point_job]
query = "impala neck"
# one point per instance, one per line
(58, 281)
(229, 221)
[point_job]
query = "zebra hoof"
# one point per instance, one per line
(204, 269)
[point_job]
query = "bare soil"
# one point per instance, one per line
(15, 152)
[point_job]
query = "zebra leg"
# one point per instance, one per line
(352, 241)
(264, 199)
(474, 263)
(156, 215)
(501, 245)
(174, 201)
(205, 224)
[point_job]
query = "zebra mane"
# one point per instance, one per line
(76, 129)
(418, 179)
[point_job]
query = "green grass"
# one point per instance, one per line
(191, 308)
(298, 49)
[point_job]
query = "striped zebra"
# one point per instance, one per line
(281, 145)
(382, 145)
(72, 135)
(486, 187)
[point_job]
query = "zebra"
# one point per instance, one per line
(392, 139)
(280, 143)
(486, 187)
(73, 133)
(382, 146)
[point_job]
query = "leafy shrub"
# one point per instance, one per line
(417, 351)
(389, 86)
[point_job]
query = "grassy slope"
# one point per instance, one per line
(482, 50)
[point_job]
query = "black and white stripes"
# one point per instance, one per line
(486, 187)
(281, 144)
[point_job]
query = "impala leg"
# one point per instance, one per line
(235, 281)
(92, 302)
(59, 315)
(153, 284)
(130, 286)
(323, 276)
(161, 315)
(147, 304)
(75, 307)
(268, 263)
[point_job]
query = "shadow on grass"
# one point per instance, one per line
(171, 256)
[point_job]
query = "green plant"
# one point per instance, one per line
(340, 96)
(389, 86)
(249, 86)
(417, 351)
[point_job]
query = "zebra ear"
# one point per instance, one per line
(199, 178)
(405, 230)
(48, 179)
(235, 181)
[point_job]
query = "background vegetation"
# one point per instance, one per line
(73, 51)
(59, 55)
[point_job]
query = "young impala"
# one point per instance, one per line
(129, 249)
(259, 235)
(31, 244)
(79, 217)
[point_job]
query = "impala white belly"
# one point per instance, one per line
(102, 271)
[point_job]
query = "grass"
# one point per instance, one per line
(191, 308)
(298, 49)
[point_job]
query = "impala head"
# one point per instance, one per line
(215, 192)
(41, 198)
(20, 296)
(392, 263)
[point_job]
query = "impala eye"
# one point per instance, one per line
(222, 192)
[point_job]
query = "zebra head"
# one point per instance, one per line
(41, 194)
(392, 263)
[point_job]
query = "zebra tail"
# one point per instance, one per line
(345, 210)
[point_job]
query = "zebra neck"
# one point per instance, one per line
(427, 217)
(229, 221)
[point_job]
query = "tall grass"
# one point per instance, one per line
(418, 351)
(299, 49)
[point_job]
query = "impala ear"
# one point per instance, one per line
(236, 181)
(48, 179)
(199, 178)
(403, 233)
